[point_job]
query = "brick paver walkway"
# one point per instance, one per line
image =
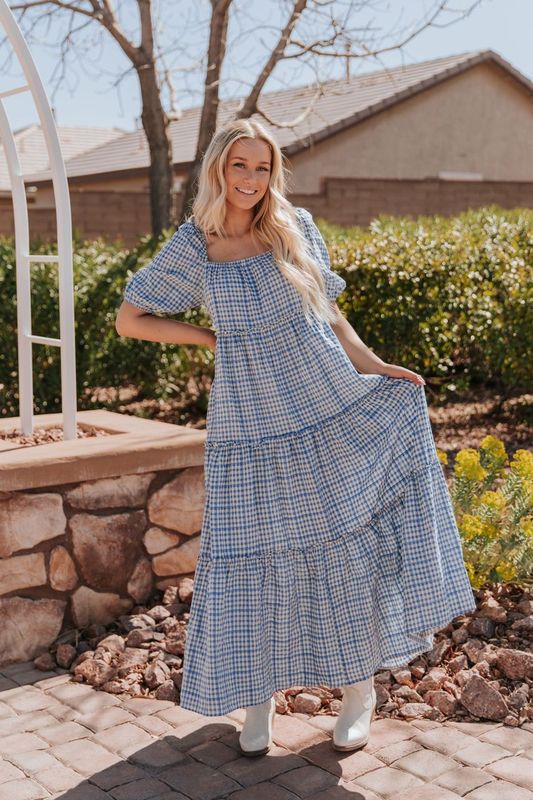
(60, 739)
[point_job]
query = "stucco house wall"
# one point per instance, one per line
(480, 121)
(455, 139)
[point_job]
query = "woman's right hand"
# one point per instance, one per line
(212, 344)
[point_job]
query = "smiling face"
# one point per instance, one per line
(247, 172)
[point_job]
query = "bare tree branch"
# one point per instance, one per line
(58, 3)
(317, 32)
(297, 120)
(250, 104)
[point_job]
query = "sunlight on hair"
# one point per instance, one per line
(274, 224)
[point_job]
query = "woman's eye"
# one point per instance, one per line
(265, 169)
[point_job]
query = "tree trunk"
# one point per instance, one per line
(155, 123)
(208, 121)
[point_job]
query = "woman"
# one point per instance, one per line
(329, 547)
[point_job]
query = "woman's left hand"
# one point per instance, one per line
(395, 371)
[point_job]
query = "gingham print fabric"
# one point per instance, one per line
(174, 280)
(329, 547)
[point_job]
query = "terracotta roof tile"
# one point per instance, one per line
(341, 103)
(33, 155)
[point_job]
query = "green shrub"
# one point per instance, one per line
(451, 298)
(103, 358)
(493, 505)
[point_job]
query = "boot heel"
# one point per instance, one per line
(259, 740)
(352, 730)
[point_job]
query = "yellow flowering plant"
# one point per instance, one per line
(492, 497)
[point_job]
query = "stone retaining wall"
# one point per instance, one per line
(88, 550)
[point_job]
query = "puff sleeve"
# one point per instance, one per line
(334, 282)
(174, 280)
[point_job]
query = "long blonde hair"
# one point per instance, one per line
(274, 224)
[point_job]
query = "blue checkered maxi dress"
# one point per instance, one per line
(329, 548)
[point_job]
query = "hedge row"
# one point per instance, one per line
(451, 298)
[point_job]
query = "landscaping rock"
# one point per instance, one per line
(382, 695)
(156, 674)
(137, 621)
(45, 662)
(185, 590)
(515, 664)
(113, 644)
(131, 659)
(459, 662)
(524, 625)
(403, 676)
(65, 655)
(481, 626)
(139, 637)
(306, 703)
(167, 691)
(159, 613)
(437, 653)
(482, 700)
(141, 654)
(460, 635)
(415, 710)
(408, 694)
(491, 609)
(444, 701)
(95, 671)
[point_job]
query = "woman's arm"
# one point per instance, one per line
(362, 357)
(137, 324)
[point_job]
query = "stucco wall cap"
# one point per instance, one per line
(135, 446)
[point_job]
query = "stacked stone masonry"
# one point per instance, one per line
(84, 553)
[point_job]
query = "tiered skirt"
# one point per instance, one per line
(326, 554)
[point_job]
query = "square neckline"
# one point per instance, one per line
(233, 260)
(239, 260)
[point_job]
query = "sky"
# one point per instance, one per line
(85, 93)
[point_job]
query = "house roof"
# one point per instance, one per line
(32, 152)
(340, 104)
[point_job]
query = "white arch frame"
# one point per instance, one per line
(24, 258)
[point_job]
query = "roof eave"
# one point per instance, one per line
(404, 94)
(45, 179)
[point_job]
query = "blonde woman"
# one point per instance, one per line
(329, 547)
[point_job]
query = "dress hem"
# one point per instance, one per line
(336, 682)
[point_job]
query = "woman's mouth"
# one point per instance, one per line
(246, 191)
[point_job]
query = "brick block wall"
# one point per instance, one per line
(346, 201)
(112, 215)
(355, 201)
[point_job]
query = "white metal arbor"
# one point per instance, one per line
(24, 258)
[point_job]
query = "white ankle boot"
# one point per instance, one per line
(352, 729)
(256, 736)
